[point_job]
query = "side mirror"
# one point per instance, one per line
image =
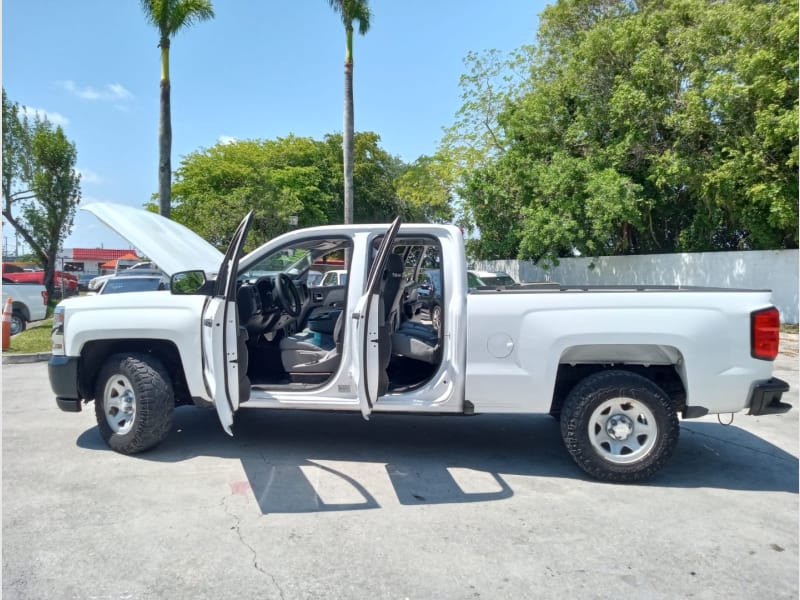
(187, 283)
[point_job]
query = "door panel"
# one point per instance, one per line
(369, 345)
(220, 332)
(320, 300)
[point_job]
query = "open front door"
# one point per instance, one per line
(371, 335)
(220, 333)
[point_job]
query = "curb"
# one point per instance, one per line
(16, 359)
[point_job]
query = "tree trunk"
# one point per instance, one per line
(50, 275)
(347, 142)
(165, 137)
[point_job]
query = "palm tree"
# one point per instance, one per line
(169, 17)
(350, 10)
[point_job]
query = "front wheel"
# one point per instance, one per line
(619, 426)
(133, 402)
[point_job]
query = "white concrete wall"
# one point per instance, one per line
(776, 270)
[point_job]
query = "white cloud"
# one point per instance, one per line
(54, 117)
(110, 91)
(89, 176)
(226, 139)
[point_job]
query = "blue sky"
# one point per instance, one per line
(260, 69)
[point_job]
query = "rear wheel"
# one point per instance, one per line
(619, 426)
(133, 402)
(18, 323)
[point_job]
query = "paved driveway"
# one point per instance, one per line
(307, 505)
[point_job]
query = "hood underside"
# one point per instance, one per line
(170, 245)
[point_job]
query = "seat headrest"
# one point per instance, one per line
(394, 266)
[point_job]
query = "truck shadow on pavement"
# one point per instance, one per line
(298, 462)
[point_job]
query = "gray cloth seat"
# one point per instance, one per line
(412, 339)
(420, 330)
(415, 345)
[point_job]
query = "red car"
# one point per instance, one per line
(19, 275)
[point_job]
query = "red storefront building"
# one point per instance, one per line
(92, 260)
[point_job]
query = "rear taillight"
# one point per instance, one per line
(765, 328)
(44, 297)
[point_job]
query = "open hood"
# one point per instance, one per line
(170, 245)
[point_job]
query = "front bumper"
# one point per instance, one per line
(766, 398)
(63, 373)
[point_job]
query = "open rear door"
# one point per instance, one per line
(221, 330)
(369, 326)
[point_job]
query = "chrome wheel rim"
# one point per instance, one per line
(623, 430)
(119, 404)
(436, 317)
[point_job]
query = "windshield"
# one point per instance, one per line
(129, 284)
(305, 258)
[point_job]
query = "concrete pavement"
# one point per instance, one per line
(310, 505)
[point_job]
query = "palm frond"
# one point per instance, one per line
(353, 10)
(170, 16)
(358, 10)
(186, 13)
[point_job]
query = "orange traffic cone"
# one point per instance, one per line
(7, 324)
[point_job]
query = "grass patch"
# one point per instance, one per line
(786, 328)
(33, 339)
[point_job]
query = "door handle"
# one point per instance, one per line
(318, 297)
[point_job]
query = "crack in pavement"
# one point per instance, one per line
(237, 521)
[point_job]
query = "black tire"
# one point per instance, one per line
(18, 322)
(619, 426)
(142, 381)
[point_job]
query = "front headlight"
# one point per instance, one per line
(57, 335)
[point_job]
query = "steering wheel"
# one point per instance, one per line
(287, 294)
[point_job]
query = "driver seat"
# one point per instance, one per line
(309, 354)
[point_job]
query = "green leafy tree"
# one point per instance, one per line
(279, 179)
(215, 187)
(374, 174)
(41, 187)
(169, 17)
(424, 190)
(476, 140)
(644, 127)
(350, 11)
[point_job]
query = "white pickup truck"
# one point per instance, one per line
(28, 303)
(616, 365)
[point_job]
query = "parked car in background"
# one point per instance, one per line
(140, 268)
(336, 277)
(430, 295)
(480, 279)
(134, 283)
(28, 303)
(62, 281)
(83, 281)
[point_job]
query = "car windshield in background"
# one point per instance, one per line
(498, 280)
(134, 284)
